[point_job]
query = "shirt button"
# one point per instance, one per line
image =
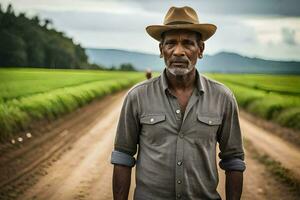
(178, 111)
(151, 120)
(179, 163)
(209, 122)
(179, 181)
(178, 196)
(181, 135)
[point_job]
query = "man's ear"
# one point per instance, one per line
(160, 50)
(201, 49)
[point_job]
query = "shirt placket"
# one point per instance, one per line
(179, 188)
(179, 153)
(179, 166)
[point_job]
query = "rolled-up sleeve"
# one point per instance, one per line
(127, 134)
(121, 158)
(230, 138)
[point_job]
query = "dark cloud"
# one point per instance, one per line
(288, 36)
(251, 7)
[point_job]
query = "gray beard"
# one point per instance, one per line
(177, 71)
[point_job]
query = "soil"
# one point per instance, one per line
(274, 146)
(290, 135)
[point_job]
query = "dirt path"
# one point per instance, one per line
(84, 171)
(277, 148)
(259, 184)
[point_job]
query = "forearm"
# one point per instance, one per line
(121, 182)
(234, 185)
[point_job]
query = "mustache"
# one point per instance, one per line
(179, 60)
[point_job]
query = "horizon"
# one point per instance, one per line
(253, 29)
(220, 52)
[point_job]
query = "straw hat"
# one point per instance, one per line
(181, 18)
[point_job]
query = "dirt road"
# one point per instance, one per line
(277, 148)
(83, 171)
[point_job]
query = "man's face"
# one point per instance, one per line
(180, 50)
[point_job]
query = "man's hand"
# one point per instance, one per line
(234, 185)
(121, 182)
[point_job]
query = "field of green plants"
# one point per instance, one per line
(29, 95)
(273, 97)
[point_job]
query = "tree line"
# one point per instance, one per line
(32, 42)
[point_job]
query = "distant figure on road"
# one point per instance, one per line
(148, 73)
(174, 122)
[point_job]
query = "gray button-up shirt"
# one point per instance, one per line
(177, 151)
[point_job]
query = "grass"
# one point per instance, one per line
(30, 95)
(282, 84)
(17, 83)
(256, 95)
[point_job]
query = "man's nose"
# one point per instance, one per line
(179, 51)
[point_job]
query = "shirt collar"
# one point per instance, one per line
(199, 82)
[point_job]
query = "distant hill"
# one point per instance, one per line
(234, 63)
(115, 57)
(221, 62)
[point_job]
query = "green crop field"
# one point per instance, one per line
(273, 97)
(28, 95)
(282, 84)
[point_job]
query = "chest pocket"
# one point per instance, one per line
(152, 119)
(152, 127)
(207, 125)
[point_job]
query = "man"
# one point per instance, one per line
(148, 73)
(176, 120)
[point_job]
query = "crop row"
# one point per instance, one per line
(19, 114)
(281, 84)
(282, 109)
(18, 83)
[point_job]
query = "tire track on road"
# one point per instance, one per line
(85, 163)
(278, 149)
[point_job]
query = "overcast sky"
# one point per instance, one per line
(258, 28)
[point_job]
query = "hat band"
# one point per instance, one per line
(178, 22)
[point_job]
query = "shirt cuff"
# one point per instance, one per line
(121, 158)
(234, 164)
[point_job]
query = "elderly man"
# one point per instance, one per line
(176, 120)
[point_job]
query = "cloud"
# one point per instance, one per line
(276, 30)
(288, 36)
(74, 5)
(232, 7)
(101, 21)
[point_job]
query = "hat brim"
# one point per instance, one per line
(206, 30)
